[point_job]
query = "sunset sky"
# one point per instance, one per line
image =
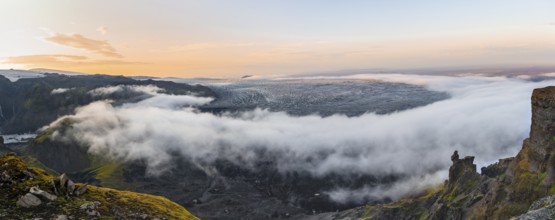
(209, 38)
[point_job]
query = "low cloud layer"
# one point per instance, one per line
(60, 91)
(486, 117)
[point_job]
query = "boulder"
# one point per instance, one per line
(61, 217)
(63, 180)
(81, 190)
(35, 190)
(67, 184)
(54, 186)
(90, 208)
(28, 200)
(70, 187)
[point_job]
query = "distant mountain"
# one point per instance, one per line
(15, 75)
(63, 72)
(29, 103)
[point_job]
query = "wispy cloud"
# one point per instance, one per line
(79, 41)
(48, 59)
(103, 30)
(44, 58)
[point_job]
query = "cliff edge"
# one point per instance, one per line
(513, 188)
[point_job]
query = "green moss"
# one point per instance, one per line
(32, 161)
(113, 203)
(28, 104)
(432, 191)
(43, 137)
(552, 189)
(153, 205)
(424, 216)
(513, 209)
(105, 171)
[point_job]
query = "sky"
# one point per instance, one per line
(229, 38)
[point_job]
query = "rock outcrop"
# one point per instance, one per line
(542, 209)
(35, 190)
(521, 186)
(28, 200)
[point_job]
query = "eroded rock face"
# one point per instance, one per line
(542, 130)
(462, 171)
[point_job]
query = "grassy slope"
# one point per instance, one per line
(114, 203)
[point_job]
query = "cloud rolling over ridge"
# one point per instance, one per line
(486, 117)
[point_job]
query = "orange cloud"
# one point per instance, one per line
(78, 41)
(79, 64)
(49, 59)
(43, 59)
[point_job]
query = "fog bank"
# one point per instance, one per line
(486, 117)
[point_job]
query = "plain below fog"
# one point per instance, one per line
(486, 116)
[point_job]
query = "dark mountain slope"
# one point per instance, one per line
(28, 104)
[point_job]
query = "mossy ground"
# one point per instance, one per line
(114, 204)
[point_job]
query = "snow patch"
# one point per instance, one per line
(18, 138)
(14, 75)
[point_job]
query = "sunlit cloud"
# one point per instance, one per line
(103, 30)
(78, 41)
(46, 58)
(62, 61)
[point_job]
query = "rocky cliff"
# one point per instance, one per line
(31, 193)
(519, 187)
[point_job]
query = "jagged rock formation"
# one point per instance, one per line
(503, 190)
(30, 193)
